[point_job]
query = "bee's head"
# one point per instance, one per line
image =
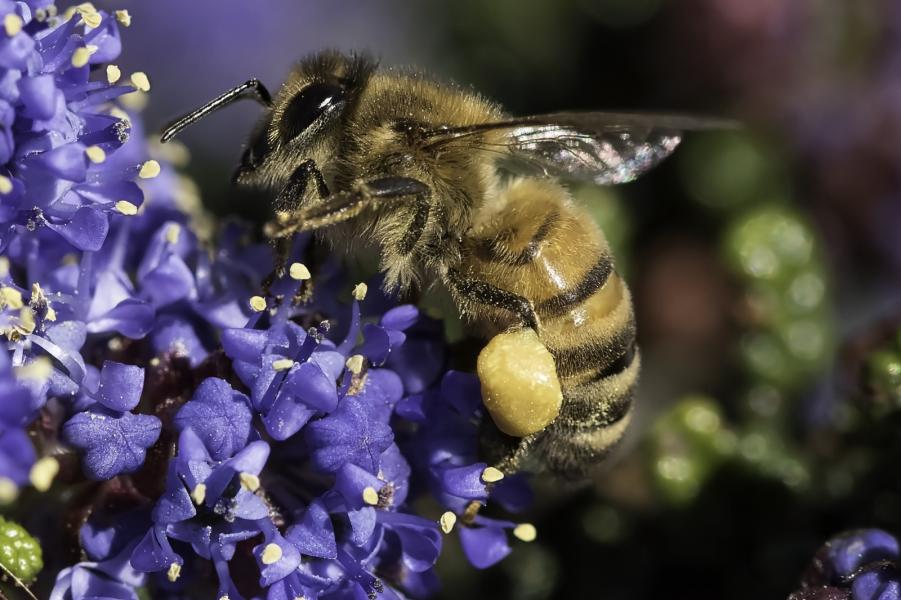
(301, 122)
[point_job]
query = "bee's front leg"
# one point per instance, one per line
(293, 192)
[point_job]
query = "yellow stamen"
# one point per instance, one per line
(249, 481)
(123, 17)
(12, 23)
(126, 208)
(174, 572)
(272, 553)
(492, 475)
(4, 266)
(370, 496)
(43, 472)
(299, 271)
(173, 232)
(81, 55)
(113, 73)
(9, 491)
(525, 532)
(95, 154)
(258, 303)
(6, 184)
(198, 494)
(447, 521)
(360, 291)
(139, 80)
(149, 170)
(10, 297)
(282, 364)
(355, 364)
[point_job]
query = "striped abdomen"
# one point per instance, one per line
(537, 244)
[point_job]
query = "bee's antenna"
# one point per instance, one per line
(253, 89)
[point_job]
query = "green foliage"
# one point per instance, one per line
(20, 553)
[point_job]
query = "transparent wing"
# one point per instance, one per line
(605, 148)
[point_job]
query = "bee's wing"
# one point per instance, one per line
(602, 147)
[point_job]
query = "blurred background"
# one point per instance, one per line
(764, 262)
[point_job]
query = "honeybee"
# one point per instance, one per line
(451, 191)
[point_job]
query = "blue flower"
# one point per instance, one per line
(220, 416)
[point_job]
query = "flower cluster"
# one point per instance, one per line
(264, 432)
(855, 565)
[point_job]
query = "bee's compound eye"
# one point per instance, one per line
(519, 382)
(307, 106)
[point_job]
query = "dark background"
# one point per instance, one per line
(764, 262)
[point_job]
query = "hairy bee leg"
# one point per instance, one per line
(485, 293)
(342, 206)
(282, 247)
(299, 180)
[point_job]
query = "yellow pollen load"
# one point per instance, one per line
(370, 496)
(149, 169)
(95, 154)
(249, 481)
(27, 324)
(123, 17)
(492, 475)
(12, 23)
(354, 364)
(519, 382)
(258, 303)
(43, 472)
(360, 291)
(525, 532)
(113, 73)
(272, 553)
(299, 271)
(174, 572)
(140, 80)
(51, 314)
(447, 521)
(126, 208)
(6, 184)
(198, 494)
(282, 364)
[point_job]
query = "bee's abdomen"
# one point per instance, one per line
(553, 253)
